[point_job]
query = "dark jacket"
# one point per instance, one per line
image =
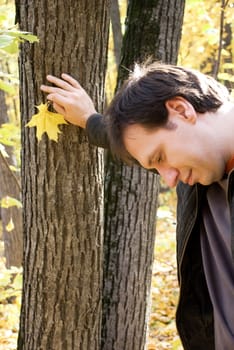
(194, 315)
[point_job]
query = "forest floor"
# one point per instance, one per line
(162, 329)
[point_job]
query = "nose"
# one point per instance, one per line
(170, 176)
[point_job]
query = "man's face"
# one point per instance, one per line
(185, 152)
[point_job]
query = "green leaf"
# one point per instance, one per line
(10, 39)
(6, 87)
(7, 202)
(30, 37)
(5, 40)
(12, 48)
(3, 17)
(9, 134)
(23, 35)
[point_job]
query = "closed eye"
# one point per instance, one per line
(155, 159)
(159, 159)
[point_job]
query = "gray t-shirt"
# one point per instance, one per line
(218, 264)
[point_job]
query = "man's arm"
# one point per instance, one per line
(72, 101)
(69, 99)
(96, 131)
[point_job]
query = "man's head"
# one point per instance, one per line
(150, 99)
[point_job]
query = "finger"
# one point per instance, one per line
(59, 83)
(71, 80)
(46, 88)
(58, 99)
(59, 108)
(54, 90)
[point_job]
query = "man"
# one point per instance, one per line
(180, 123)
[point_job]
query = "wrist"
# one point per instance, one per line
(86, 118)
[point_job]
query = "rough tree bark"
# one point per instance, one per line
(9, 186)
(3, 110)
(12, 235)
(153, 29)
(62, 182)
(116, 29)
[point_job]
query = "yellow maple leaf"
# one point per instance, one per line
(46, 121)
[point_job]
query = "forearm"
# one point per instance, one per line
(96, 131)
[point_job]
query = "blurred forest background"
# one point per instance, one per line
(207, 44)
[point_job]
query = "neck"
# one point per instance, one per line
(225, 127)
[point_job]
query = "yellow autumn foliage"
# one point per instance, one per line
(46, 122)
(200, 43)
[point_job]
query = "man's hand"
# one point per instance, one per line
(69, 99)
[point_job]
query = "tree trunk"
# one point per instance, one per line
(153, 29)
(11, 216)
(116, 29)
(9, 186)
(62, 182)
(3, 108)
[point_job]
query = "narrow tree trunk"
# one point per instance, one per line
(3, 108)
(9, 186)
(153, 30)
(11, 216)
(116, 29)
(131, 199)
(62, 182)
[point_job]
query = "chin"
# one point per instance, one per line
(209, 180)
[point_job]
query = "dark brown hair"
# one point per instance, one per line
(142, 97)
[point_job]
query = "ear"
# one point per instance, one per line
(179, 106)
